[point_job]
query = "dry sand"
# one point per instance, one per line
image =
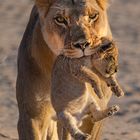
(125, 22)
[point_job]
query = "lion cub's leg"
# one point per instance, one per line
(86, 75)
(114, 85)
(97, 114)
(70, 123)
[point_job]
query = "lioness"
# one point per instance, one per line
(50, 23)
(68, 98)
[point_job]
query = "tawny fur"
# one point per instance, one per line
(35, 60)
(105, 61)
(69, 76)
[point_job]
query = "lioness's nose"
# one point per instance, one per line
(81, 44)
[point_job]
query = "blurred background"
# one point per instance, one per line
(124, 18)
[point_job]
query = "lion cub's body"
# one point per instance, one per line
(69, 99)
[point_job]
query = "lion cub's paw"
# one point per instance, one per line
(81, 136)
(112, 110)
(118, 91)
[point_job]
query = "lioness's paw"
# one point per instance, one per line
(112, 110)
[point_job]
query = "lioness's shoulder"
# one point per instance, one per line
(30, 26)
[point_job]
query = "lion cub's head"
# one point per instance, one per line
(107, 61)
(72, 23)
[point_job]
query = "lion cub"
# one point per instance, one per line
(105, 62)
(68, 95)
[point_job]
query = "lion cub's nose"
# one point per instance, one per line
(81, 45)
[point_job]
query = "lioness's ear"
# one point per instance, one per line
(102, 3)
(43, 7)
(43, 3)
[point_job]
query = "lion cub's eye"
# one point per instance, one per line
(94, 16)
(60, 20)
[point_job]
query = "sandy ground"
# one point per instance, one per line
(125, 22)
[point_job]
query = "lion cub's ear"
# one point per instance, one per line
(103, 4)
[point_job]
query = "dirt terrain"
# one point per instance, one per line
(124, 17)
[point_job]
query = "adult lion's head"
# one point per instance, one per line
(79, 23)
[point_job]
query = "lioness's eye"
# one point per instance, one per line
(94, 16)
(60, 20)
